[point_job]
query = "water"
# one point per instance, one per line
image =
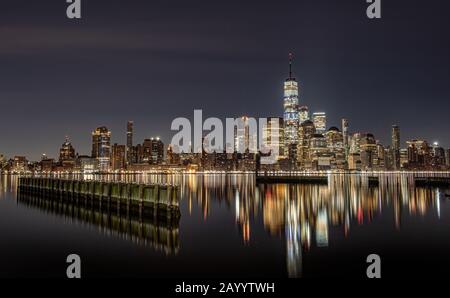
(231, 227)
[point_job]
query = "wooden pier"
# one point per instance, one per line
(160, 233)
(162, 199)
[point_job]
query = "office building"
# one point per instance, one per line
(395, 144)
(303, 114)
(345, 137)
(320, 122)
(101, 147)
(290, 103)
(273, 136)
(67, 154)
(118, 157)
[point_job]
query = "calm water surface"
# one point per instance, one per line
(231, 227)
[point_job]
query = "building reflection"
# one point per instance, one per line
(303, 215)
(142, 229)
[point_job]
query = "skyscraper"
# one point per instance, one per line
(447, 158)
(305, 133)
(245, 136)
(118, 157)
(157, 154)
(290, 108)
(129, 149)
(303, 114)
(368, 151)
(273, 136)
(345, 136)
(320, 122)
(101, 147)
(66, 152)
(395, 147)
(152, 151)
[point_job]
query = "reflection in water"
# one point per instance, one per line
(301, 214)
(162, 234)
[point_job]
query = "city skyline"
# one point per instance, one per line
(267, 141)
(61, 77)
(296, 114)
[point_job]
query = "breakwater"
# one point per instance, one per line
(158, 199)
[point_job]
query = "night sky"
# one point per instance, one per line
(152, 61)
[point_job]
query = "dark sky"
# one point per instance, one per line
(152, 61)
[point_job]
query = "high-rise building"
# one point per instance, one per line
(368, 151)
(245, 137)
(395, 135)
(335, 146)
(290, 108)
(320, 122)
(152, 151)
(303, 114)
(273, 136)
(118, 157)
(129, 148)
(319, 155)
(305, 132)
(419, 155)
(447, 158)
(66, 152)
(101, 147)
(157, 151)
(146, 151)
(355, 143)
(345, 137)
(403, 157)
(438, 156)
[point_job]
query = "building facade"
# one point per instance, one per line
(290, 104)
(101, 147)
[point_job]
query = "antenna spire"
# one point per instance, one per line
(291, 57)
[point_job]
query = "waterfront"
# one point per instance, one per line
(232, 227)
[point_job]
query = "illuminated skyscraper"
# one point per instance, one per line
(305, 132)
(303, 114)
(157, 151)
(447, 158)
(152, 151)
(345, 136)
(273, 136)
(101, 147)
(368, 151)
(129, 149)
(396, 147)
(419, 155)
(118, 157)
(320, 122)
(290, 108)
(245, 135)
(66, 152)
